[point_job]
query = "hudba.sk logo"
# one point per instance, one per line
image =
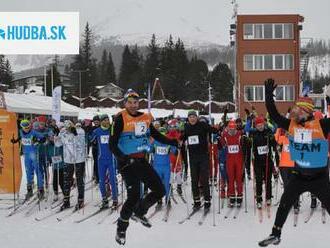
(25, 32)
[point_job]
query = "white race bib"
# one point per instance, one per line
(104, 139)
(286, 148)
(233, 149)
(262, 150)
(140, 128)
(161, 150)
(56, 159)
(302, 136)
(26, 142)
(193, 140)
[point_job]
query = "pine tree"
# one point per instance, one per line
(6, 74)
(124, 75)
(103, 67)
(222, 83)
(152, 63)
(110, 70)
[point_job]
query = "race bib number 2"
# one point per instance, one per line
(140, 128)
(302, 136)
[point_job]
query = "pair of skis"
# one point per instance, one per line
(234, 210)
(193, 212)
(311, 213)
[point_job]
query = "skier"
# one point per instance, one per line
(263, 146)
(196, 135)
(308, 149)
(29, 139)
(129, 142)
(234, 141)
(162, 165)
(73, 141)
(96, 122)
(105, 162)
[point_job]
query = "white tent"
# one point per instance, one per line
(34, 104)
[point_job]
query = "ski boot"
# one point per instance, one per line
(239, 200)
(114, 205)
(197, 205)
(79, 205)
(41, 194)
(121, 237)
(104, 204)
(269, 202)
(232, 201)
(159, 205)
(142, 219)
(55, 197)
(259, 205)
(29, 192)
(66, 204)
(179, 189)
(270, 240)
(207, 205)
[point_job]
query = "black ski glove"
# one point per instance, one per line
(270, 86)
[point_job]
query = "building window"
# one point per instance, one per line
(248, 62)
(254, 93)
(260, 62)
(284, 93)
(268, 31)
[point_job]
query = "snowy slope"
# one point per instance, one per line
(19, 231)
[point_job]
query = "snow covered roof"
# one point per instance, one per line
(34, 90)
(34, 104)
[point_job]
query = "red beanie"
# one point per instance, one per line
(232, 124)
(42, 118)
(260, 120)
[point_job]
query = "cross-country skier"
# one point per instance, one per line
(308, 149)
(105, 162)
(96, 122)
(129, 142)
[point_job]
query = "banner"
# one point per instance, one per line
(9, 155)
(39, 33)
(56, 106)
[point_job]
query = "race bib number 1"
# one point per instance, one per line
(302, 136)
(193, 140)
(140, 128)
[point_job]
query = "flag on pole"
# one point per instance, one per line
(56, 107)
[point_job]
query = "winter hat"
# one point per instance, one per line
(306, 103)
(131, 94)
(260, 120)
(25, 123)
(192, 112)
(103, 117)
(96, 118)
(232, 124)
(42, 118)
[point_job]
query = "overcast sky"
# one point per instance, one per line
(207, 19)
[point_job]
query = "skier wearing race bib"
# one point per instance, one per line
(263, 143)
(105, 162)
(234, 141)
(29, 139)
(308, 149)
(196, 135)
(162, 164)
(130, 142)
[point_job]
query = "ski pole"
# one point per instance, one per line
(14, 186)
(184, 188)
(212, 185)
(173, 178)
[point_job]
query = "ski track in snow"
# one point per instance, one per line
(19, 231)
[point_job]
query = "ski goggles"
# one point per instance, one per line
(25, 124)
(131, 95)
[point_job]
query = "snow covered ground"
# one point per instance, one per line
(19, 231)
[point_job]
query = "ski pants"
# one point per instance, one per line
(43, 166)
(58, 178)
(79, 170)
(104, 166)
(286, 174)
(133, 174)
(318, 185)
(95, 167)
(235, 175)
(263, 172)
(199, 171)
(164, 172)
(32, 166)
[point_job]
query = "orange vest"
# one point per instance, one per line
(285, 160)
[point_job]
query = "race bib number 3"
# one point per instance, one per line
(104, 139)
(140, 128)
(233, 149)
(262, 150)
(302, 136)
(193, 140)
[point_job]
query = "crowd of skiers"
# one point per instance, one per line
(222, 155)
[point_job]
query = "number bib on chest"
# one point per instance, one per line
(104, 139)
(26, 142)
(161, 150)
(56, 159)
(262, 150)
(193, 140)
(140, 128)
(286, 148)
(302, 136)
(233, 149)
